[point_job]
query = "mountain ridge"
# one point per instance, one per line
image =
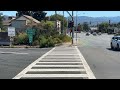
(95, 20)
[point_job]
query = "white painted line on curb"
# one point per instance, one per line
(86, 66)
(22, 73)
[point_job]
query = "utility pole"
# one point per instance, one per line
(72, 28)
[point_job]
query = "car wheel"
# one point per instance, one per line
(117, 46)
(112, 46)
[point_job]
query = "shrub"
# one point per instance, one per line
(50, 42)
(65, 38)
(57, 41)
(22, 38)
(36, 42)
(42, 42)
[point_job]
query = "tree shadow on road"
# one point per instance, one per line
(113, 50)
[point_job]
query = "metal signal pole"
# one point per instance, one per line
(72, 28)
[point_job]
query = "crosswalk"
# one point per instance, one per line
(59, 63)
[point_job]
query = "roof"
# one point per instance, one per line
(7, 22)
(31, 18)
(28, 17)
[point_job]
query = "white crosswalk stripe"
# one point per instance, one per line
(58, 63)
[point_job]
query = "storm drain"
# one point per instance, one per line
(56, 65)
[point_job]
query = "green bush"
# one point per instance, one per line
(50, 42)
(22, 38)
(36, 42)
(65, 38)
(57, 41)
(42, 42)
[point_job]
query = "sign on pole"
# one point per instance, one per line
(11, 31)
(30, 32)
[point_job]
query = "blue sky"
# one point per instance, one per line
(79, 13)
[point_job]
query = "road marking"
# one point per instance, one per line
(58, 66)
(37, 70)
(60, 62)
(54, 76)
(12, 53)
(63, 69)
(22, 73)
(87, 68)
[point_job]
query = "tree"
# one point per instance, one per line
(60, 18)
(39, 15)
(80, 27)
(1, 25)
(103, 27)
(85, 26)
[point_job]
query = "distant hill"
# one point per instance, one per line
(95, 20)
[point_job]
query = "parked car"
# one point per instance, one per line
(94, 33)
(115, 42)
(87, 34)
(99, 33)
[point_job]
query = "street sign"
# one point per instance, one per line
(11, 31)
(30, 38)
(30, 31)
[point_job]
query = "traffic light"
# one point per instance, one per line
(70, 24)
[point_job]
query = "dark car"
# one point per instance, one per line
(87, 34)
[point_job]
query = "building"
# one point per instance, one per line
(21, 22)
(6, 24)
(7, 21)
(116, 30)
(94, 29)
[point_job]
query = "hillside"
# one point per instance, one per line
(95, 20)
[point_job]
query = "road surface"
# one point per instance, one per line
(104, 62)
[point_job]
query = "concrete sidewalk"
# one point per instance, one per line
(61, 62)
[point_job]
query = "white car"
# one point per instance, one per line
(115, 42)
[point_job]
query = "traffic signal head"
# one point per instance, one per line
(70, 24)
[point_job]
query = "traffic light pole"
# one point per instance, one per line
(72, 29)
(72, 25)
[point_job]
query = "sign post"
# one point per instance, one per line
(11, 33)
(30, 33)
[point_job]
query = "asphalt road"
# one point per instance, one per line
(104, 62)
(13, 61)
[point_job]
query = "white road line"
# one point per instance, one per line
(86, 66)
(60, 62)
(12, 53)
(54, 75)
(38, 70)
(64, 54)
(58, 66)
(22, 73)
